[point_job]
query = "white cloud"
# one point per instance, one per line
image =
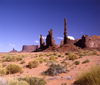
(43, 37)
(60, 38)
(11, 45)
(71, 37)
(37, 41)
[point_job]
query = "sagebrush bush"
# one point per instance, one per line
(3, 71)
(91, 77)
(16, 82)
(54, 53)
(13, 68)
(33, 80)
(86, 61)
(52, 57)
(59, 55)
(33, 64)
(94, 52)
(22, 62)
(40, 59)
(77, 62)
(9, 58)
(55, 69)
(72, 56)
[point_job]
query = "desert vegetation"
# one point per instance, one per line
(43, 68)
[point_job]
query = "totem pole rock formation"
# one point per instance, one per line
(50, 40)
(66, 39)
(65, 31)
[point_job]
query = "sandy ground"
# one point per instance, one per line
(61, 78)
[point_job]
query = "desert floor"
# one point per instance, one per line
(68, 77)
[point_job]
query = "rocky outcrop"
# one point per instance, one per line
(61, 43)
(14, 50)
(86, 42)
(29, 48)
(66, 39)
(50, 40)
(42, 43)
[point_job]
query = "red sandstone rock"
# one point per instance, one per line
(29, 48)
(50, 40)
(14, 50)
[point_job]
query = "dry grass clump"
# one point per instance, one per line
(17, 82)
(91, 77)
(10, 57)
(86, 61)
(94, 52)
(55, 69)
(52, 57)
(33, 80)
(41, 55)
(40, 59)
(71, 56)
(33, 64)
(13, 68)
(77, 62)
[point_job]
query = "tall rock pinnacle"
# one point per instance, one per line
(41, 41)
(65, 31)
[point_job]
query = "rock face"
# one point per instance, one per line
(42, 43)
(86, 42)
(14, 50)
(61, 43)
(50, 40)
(29, 48)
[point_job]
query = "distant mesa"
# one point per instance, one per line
(29, 48)
(14, 50)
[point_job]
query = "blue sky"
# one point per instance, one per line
(22, 21)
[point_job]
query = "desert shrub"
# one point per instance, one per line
(16, 82)
(80, 57)
(50, 62)
(86, 61)
(3, 71)
(33, 64)
(41, 55)
(33, 80)
(54, 53)
(46, 59)
(72, 56)
(40, 59)
(64, 84)
(91, 77)
(13, 68)
(67, 53)
(80, 51)
(22, 62)
(55, 69)
(9, 58)
(59, 55)
(94, 52)
(77, 62)
(52, 57)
